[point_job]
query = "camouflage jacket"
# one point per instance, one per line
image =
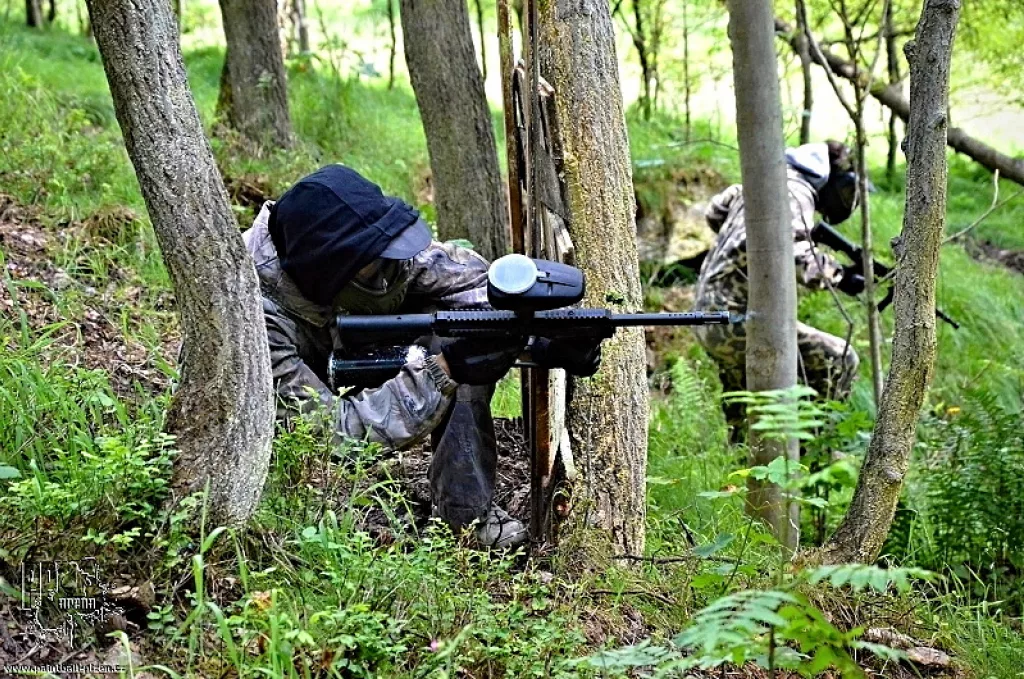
(723, 277)
(406, 408)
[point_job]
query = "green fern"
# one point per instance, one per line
(861, 576)
(734, 628)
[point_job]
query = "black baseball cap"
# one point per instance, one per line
(333, 223)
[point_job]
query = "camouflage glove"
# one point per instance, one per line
(852, 283)
(478, 361)
(579, 356)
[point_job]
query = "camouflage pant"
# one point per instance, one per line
(826, 363)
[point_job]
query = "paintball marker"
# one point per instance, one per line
(528, 298)
(827, 235)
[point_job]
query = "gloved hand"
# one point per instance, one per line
(852, 283)
(579, 356)
(478, 361)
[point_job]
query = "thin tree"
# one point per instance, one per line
(179, 12)
(607, 416)
(687, 82)
(893, 63)
(892, 98)
(771, 309)
(862, 533)
(393, 44)
(646, 32)
(253, 87)
(33, 13)
(468, 190)
(223, 410)
(803, 51)
(300, 26)
(853, 20)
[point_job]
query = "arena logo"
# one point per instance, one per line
(60, 597)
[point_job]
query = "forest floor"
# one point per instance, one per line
(342, 571)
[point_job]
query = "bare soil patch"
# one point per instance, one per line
(984, 250)
(86, 322)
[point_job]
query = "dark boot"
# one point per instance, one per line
(463, 468)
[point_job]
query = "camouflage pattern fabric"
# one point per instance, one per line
(827, 363)
(406, 408)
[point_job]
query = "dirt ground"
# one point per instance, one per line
(985, 251)
(85, 324)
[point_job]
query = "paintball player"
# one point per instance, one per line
(820, 178)
(335, 244)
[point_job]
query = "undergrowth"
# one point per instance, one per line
(337, 575)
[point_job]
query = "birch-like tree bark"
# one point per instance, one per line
(771, 308)
(468, 191)
(223, 410)
(862, 533)
(607, 414)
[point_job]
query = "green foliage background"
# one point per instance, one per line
(83, 470)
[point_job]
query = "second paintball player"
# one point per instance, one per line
(335, 244)
(820, 179)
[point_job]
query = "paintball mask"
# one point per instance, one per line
(381, 291)
(838, 198)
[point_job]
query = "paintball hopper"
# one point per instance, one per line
(524, 285)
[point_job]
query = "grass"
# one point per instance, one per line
(308, 579)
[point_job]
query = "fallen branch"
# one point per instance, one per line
(673, 559)
(984, 215)
(642, 592)
(892, 98)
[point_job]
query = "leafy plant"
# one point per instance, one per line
(777, 628)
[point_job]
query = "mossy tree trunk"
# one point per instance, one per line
(862, 533)
(607, 416)
(771, 308)
(253, 86)
(223, 410)
(468, 191)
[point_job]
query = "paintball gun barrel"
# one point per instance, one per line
(827, 235)
(559, 323)
(527, 297)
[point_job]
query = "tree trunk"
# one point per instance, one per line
(33, 13)
(892, 98)
(253, 87)
(84, 27)
(771, 309)
(442, 65)
(223, 410)
(856, 110)
(640, 42)
(893, 60)
(862, 533)
(300, 27)
(51, 15)
(483, 37)
(687, 85)
(803, 51)
(393, 46)
(179, 9)
(868, 252)
(608, 413)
